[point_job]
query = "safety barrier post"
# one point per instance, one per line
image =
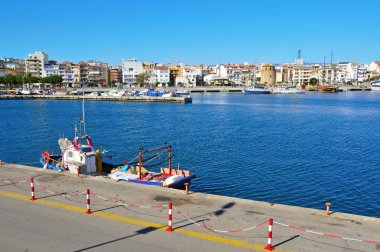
(88, 211)
(170, 228)
(328, 204)
(32, 189)
(269, 246)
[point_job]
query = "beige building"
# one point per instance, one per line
(35, 63)
(268, 75)
(115, 74)
(374, 68)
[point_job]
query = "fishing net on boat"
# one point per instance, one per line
(64, 143)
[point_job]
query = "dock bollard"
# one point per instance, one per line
(170, 228)
(269, 246)
(88, 211)
(328, 204)
(32, 189)
(187, 188)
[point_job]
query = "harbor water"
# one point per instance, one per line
(299, 150)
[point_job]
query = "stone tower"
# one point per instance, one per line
(268, 75)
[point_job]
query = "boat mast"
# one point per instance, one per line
(331, 66)
(324, 71)
(83, 112)
(299, 68)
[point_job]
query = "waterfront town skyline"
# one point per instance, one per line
(298, 72)
(208, 32)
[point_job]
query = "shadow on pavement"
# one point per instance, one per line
(138, 232)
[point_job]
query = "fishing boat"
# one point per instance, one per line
(311, 87)
(375, 86)
(182, 92)
(288, 90)
(326, 89)
(257, 90)
(77, 156)
(137, 172)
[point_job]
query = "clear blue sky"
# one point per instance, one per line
(193, 31)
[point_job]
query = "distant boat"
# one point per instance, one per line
(288, 90)
(375, 85)
(311, 88)
(257, 90)
(182, 92)
(326, 89)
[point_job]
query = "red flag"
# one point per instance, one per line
(110, 157)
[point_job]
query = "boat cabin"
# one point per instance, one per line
(79, 157)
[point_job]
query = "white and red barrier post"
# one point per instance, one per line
(32, 189)
(88, 211)
(269, 246)
(170, 218)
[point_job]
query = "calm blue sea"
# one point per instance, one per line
(300, 150)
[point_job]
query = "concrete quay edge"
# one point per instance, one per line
(204, 197)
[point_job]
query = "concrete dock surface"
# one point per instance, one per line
(132, 217)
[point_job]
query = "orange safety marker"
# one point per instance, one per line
(269, 246)
(170, 218)
(328, 204)
(88, 211)
(32, 189)
(187, 188)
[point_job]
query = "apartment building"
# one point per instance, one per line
(357, 72)
(131, 69)
(301, 74)
(35, 63)
(158, 75)
(240, 73)
(374, 69)
(115, 74)
(192, 74)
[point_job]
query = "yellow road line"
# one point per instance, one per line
(194, 234)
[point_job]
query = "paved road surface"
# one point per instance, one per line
(58, 223)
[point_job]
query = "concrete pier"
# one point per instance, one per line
(133, 217)
(100, 98)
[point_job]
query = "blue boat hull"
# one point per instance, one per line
(256, 92)
(176, 185)
(49, 166)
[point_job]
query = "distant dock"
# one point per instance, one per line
(100, 98)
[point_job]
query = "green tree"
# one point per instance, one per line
(141, 79)
(55, 79)
(314, 81)
(1, 79)
(200, 82)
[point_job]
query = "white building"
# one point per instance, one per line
(35, 63)
(217, 76)
(158, 75)
(192, 75)
(131, 68)
(51, 69)
(357, 72)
